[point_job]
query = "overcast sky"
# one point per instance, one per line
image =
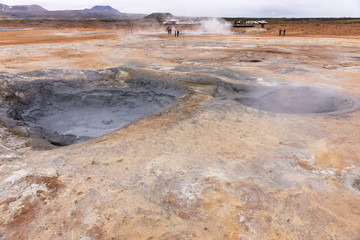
(214, 8)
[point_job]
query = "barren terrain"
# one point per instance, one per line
(246, 136)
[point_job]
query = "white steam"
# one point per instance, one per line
(215, 25)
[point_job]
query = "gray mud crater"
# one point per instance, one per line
(297, 100)
(66, 107)
(92, 113)
(67, 112)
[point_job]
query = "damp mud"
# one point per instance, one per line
(298, 100)
(67, 112)
(94, 103)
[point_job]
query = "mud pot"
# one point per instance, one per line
(298, 100)
(67, 112)
(93, 103)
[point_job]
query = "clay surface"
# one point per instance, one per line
(228, 136)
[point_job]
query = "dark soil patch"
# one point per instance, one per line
(251, 61)
(356, 184)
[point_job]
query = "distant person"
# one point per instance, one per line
(284, 32)
(280, 32)
(170, 30)
(177, 33)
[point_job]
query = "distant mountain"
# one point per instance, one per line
(27, 8)
(36, 12)
(160, 16)
(103, 8)
(4, 7)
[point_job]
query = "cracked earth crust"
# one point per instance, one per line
(206, 166)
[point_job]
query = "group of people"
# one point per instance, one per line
(177, 32)
(283, 32)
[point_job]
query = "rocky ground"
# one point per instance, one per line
(260, 140)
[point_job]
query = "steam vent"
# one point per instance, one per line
(117, 129)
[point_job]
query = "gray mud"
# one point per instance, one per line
(91, 113)
(297, 100)
(65, 107)
(288, 99)
(70, 111)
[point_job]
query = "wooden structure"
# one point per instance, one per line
(244, 23)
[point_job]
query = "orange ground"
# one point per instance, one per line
(204, 169)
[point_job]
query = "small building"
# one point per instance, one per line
(171, 22)
(249, 23)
